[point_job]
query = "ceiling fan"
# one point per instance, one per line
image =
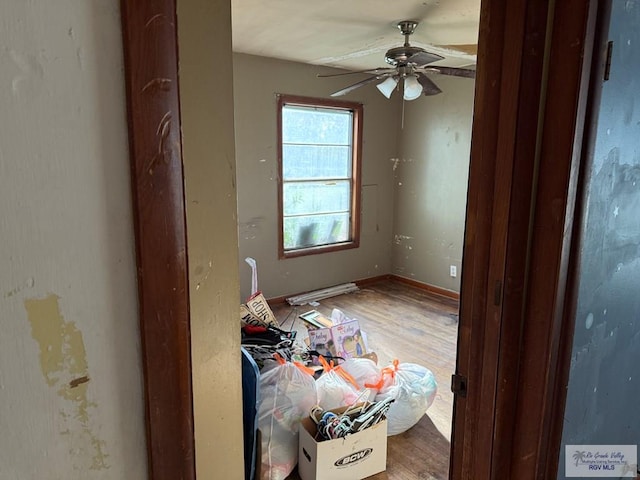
(409, 67)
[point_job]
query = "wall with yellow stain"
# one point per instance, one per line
(71, 399)
(63, 362)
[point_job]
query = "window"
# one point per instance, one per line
(319, 144)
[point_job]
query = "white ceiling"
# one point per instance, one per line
(354, 34)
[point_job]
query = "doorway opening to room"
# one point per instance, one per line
(513, 136)
(341, 183)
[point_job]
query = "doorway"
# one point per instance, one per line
(417, 171)
(484, 411)
(415, 161)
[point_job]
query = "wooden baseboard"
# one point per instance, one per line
(363, 282)
(279, 300)
(443, 292)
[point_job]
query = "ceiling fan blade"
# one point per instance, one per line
(366, 81)
(428, 87)
(421, 59)
(374, 71)
(456, 72)
(468, 48)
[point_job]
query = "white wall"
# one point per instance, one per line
(256, 82)
(431, 184)
(68, 308)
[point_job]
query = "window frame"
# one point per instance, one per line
(356, 161)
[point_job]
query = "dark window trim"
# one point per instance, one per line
(358, 114)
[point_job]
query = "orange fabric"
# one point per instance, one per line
(301, 366)
(329, 366)
(304, 368)
(344, 374)
(390, 370)
(325, 365)
(377, 386)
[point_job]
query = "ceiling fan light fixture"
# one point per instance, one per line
(409, 64)
(412, 88)
(388, 86)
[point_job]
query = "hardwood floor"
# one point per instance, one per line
(413, 326)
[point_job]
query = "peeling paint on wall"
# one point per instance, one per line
(251, 228)
(30, 75)
(398, 239)
(396, 162)
(63, 362)
(202, 275)
(28, 283)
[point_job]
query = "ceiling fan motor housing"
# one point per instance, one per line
(399, 56)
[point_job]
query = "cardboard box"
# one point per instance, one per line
(356, 456)
(259, 308)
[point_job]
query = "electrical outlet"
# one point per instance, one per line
(453, 271)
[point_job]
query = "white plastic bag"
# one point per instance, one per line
(413, 387)
(338, 317)
(336, 388)
(288, 393)
(364, 371)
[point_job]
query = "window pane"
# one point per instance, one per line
(309, 125)
(315, 161)
(316, 197)
(312, 231)
(317, 142)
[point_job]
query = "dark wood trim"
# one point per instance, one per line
(516, 263)
(151, 70)
(442, 292)
(564, 324)
(356, 175)
(364, 282)
(528, 417)
(305, 252)
(525, 142)
(513, 107)
(356, 187)
(278, 300)
(321, 102)
(279, 104)
(472, 441)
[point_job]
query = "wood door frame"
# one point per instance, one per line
(525, 126)
(525, 159)
(566, 327)
(153, 107)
